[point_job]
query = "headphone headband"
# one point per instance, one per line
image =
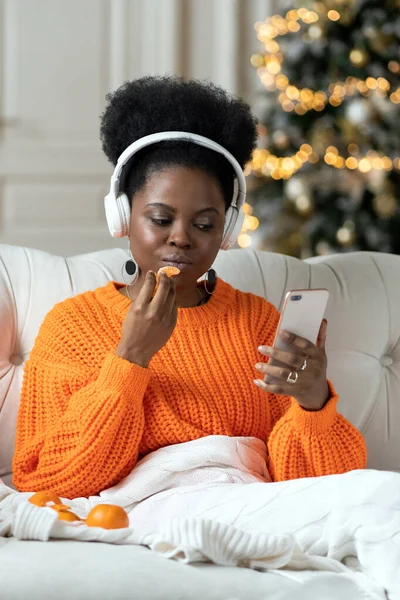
(118, 214)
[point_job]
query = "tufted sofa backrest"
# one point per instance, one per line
(363, 325)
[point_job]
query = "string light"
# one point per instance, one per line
(395, 96)
(372, 160)
(247, 170)
(394, 66)
(302, 100)
(303, 204)
(346, 234)
(351, 163)
(267, 164)
(358, 57)
(250, 224)
(353, 148)
(244, 240)
(333, 15)
(270, 65)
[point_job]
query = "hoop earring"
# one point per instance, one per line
(131, 268)
(211, 278)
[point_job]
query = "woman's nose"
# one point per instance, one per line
(179, 236)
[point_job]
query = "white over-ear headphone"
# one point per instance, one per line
(116, 202)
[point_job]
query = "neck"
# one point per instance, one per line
(185, 297)
(190, 297)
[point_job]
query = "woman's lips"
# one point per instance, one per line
(179, 265)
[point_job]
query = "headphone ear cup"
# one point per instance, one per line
(230, 220)
(238, 225)
(118, 214)
(234, 220)
(125, 213)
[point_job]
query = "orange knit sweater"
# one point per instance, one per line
(87, 415)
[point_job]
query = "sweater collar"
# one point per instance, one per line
(195, 316)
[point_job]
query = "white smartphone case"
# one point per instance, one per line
(302, 314)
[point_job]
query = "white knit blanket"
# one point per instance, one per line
(212, 500)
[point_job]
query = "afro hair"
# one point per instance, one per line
(168, 103)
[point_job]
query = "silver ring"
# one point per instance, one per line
(304, 367)
(290, 377)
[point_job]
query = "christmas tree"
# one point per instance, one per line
(326, 175)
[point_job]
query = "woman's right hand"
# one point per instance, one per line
(149, 322)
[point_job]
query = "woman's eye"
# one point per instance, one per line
(161, 221)
(205, 226)
(165, 222)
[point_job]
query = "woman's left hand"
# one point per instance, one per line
(305, 365)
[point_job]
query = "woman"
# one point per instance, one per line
(116, 373)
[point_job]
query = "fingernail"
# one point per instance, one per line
(285, 334)
(259, 366)
(257, 382)
(264, 348)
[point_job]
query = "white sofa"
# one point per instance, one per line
(363, 346)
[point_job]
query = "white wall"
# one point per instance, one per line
(58, 59)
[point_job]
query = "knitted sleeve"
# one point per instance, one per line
(304, 443)
(77, 433)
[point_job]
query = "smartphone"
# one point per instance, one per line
(302, 313)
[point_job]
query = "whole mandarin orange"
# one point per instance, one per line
(107, 516)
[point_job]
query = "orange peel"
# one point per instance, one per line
(44, 498)
(48, 499)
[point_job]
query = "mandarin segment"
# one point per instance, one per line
(61, 507)
(169, 271)
(67, 515)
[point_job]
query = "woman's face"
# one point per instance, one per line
(177, 219)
